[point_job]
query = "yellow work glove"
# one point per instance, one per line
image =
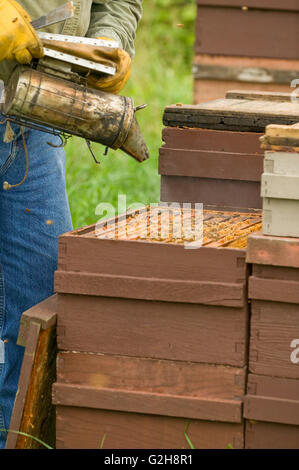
(121, 60)
(18, 40)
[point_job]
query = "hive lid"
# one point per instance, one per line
(241, 111)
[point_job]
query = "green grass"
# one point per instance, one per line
(161, 75)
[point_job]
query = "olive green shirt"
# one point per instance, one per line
(115, 19)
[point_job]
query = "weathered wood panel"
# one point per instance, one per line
(270, 250)
(87, 429)
(33, 412)
(274, 326)
(145, 259)
(209, 139)
(167, 290)
(238, 111)
(164, 330)
(275, 290)
(151, 375)
(220, 193)
(223, 410)
(272, 399)
(261, 435)
(210, 164)
(250, 32)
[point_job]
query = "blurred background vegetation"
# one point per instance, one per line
(161, 75)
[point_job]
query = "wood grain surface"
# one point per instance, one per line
(161, 330)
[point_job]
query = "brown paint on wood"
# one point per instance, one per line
(275, 290)
(210, 164)
(275, 272)
(84, 428)
(154, 376)
(249, 33)
(167, 290)
(223, 410)
(145, 259)
(273, 328)
(258, 4)
(161, 330)
(261, 435)
(273, 387)
(211, 192)
(43, 314)
(209, 139)
(270, 250)
(277, 410)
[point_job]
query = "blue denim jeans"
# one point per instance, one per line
(31, 218)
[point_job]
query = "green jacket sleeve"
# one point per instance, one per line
(116, 19)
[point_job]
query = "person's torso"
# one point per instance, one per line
(75, 26)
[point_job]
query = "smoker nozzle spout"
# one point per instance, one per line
(134, 144)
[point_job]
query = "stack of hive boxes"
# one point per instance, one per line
(272, 401)
(280, 181)
(151, 335)
(238, 46)
(212, 151)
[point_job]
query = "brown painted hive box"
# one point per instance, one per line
(272, 400)
(227, 27)
(237, 47)
(152, 335)
(212, 151)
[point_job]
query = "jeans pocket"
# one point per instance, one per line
(10, 159)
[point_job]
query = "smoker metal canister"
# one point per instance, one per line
(69, 107)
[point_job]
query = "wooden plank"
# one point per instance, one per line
(254, 95)
(273, 387)
(275, 410)
(151, 375)
(275, 290)
(280, 186)
(209, 139)
(43, 313)
(159, 330)
(261, 435)
(280, 216)
(167, 290)
(145, 259)
(275, 272)
(209, 89)
(247, 32)
(281, 163)
(245, 69)
(233, 114)
(273, 329)
(33, 412)
(281, 136)
(265, 4)
(222, 410)
(210, 164)
(211, 192)
(270, 250)
(81, 428)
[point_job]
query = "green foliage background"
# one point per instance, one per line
(161, 75)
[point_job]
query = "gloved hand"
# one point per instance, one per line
(18, 40)
(119, 59)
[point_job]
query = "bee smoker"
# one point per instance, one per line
(53, 96)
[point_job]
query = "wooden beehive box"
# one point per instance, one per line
(272, 401)
(238, 46)
(151, 334)
(280, 181)
(33, 418)
(212, 151)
